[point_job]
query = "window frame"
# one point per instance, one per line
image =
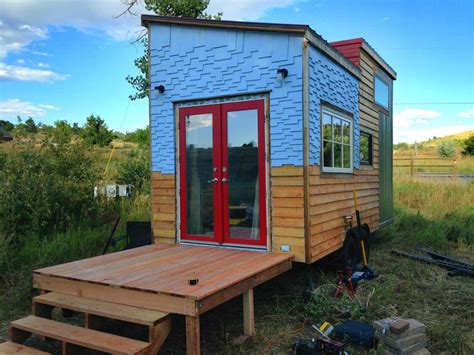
(344, 117)
(370, 161)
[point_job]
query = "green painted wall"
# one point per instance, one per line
(386, 167)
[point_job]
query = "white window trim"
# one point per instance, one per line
(346, 118)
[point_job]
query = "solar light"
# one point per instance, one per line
(160, 88)
(282, 73)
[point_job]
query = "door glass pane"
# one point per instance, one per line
(242, 145)
(199, 187)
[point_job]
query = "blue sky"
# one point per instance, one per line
(67, 60)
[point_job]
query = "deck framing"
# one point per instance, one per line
(223, 274)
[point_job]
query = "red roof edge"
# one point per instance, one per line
(346, 42)
(350, 48)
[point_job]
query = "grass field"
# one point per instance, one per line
(430, 214)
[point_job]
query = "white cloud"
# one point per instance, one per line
(419, 135)
(16, 35)
(26, 21)
(408, 117)
(49, 107)
(13, 72)
(466, 114)
(21, 61)
(412, 125)
(246, 9)
(43, 65)
(10, 109)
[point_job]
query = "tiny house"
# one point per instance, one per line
(260, 132)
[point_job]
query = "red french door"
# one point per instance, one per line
(222, 173)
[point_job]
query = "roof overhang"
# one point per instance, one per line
(307, 32)
(362, 43)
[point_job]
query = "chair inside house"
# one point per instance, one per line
(138, 234)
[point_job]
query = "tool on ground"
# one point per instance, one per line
(344, 283)
(326, 328)
(315, 346)
(365, 273)
(454, 267)
(356, 332)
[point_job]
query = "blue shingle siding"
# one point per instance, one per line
(331, 83)
(196, 62)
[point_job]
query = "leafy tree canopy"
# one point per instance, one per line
(176, 8)
(469, 145)
(96, 132)
(8, 126)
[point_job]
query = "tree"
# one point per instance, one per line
(62, 132)
(96, 132)
(176, 8)
(140, 136)
(446, 149)
(31, 126)
(8, 126)
(469, 145)
(135, 170)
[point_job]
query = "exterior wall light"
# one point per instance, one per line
(282, 73)
(160, 88)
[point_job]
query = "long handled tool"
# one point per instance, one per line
(365, 273)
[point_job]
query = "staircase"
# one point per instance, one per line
(152, 327)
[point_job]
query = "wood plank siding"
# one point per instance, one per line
(287, 210)
(330, 195)
(163, 207)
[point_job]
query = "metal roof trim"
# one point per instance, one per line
(313, 37)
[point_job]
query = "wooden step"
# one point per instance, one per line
(72, 336)
(104, 309)
(14, 348)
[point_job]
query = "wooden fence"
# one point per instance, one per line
(416, 165)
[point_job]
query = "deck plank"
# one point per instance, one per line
(14, 348)
(107, 259)
(165, 269)
(80, 336)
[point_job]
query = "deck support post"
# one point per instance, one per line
(249, 318)
(193, 340)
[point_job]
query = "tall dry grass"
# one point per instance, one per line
(434, 198)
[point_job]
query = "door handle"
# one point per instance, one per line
(224, 180)
(215, 181)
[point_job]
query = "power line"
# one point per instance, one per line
(434, 103)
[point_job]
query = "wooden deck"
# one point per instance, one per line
(157, 277)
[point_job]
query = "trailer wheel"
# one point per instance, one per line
(350, 251)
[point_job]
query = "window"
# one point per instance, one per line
(365, 152)
(381, 92)
(337, 142)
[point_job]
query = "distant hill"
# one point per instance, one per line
(428, 147)
(458, 138)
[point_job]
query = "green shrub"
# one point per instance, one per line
(96, 132)
(135, 170)
(469, 145)
(446, 149)
(46, 190)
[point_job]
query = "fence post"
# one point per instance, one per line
(411, 167)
